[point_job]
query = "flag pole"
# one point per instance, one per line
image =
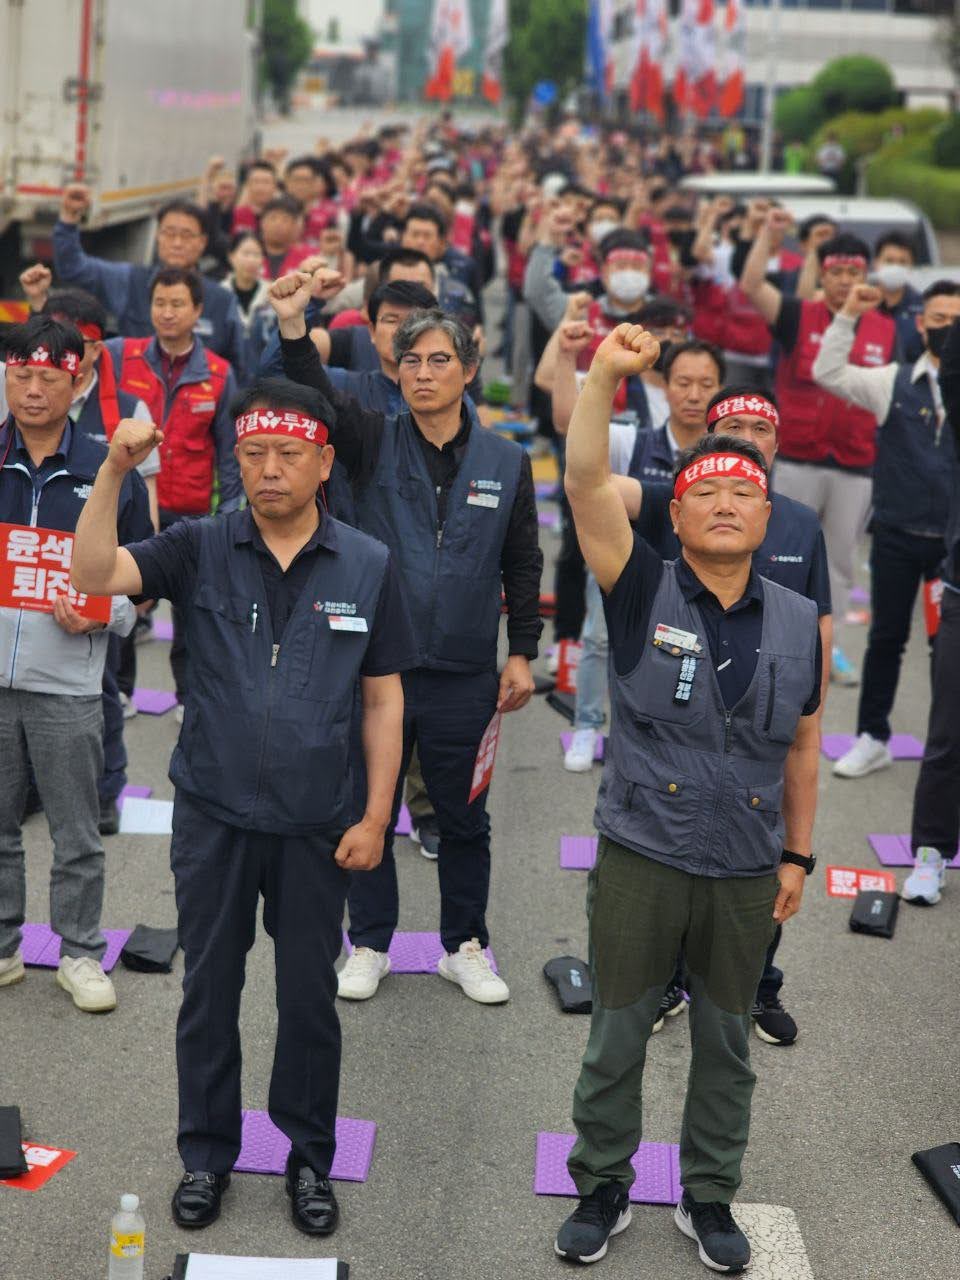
(770, 88)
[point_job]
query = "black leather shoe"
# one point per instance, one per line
(196, 1201)
(313, 1206)
(109, 824)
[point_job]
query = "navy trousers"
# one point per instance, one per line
(445, 715)
(220, 871)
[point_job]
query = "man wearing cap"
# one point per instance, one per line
(52, 653)
(827, 444)
(290, 612)
(705, 811)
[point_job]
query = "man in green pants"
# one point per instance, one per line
(705, 810)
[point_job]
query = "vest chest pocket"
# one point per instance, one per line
(652, 688)
(786, 685)
(325, 663)
(222, 638)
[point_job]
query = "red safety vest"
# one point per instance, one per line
(814, 424)
(745, 331)
(709, 311)
(188, 452)
(601, 324)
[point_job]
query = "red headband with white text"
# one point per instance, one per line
(844, 260)
(758, 406)
(271, 422)
(719, 464)
(42, 358)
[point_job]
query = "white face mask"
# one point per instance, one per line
(628, 286)
(892, 275)
(602, 227)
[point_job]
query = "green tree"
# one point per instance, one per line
(547, 40)
(286, 46)
(855, 83)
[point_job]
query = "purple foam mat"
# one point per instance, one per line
(154, 702)
(546, 490)
(567, 738)
(903, 746)
(578, 853)
(162, 629)
(404, 823)
(264, 1149)
(895, 851)
(548, 519)
(859, 595)
(416, 952)
(657, 1166)
(41, 946)
(136, 793)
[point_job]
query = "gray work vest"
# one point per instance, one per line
(692, 784)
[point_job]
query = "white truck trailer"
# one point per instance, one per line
(129, 96)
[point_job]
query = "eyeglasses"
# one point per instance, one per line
(169, 233)
(436, 360)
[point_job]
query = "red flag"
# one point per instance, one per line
(650, 32)
(695, 84)
(735, 57)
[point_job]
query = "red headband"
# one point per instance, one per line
(41, 358)
(618, 255)
(844, 260)
(719, 464)
(759, 406)
(267, 422)
(92, 332)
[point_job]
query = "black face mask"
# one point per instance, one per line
(658, 363)
(936, 340)
(681, 239)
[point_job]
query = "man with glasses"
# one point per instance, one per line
(124, 287)
(455, 504)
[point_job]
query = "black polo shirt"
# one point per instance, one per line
(733, 635)
(168, 567)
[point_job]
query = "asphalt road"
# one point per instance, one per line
(459, 1092)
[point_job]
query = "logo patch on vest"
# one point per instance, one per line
(786, 559)
(202, 406)
(335, 606)
(83, 491)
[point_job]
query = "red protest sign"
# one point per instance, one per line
(847, 882)
(932, 596)
(568, 660)
(486, 756)
(35, 569)
(42, 1164)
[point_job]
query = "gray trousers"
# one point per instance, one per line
(63, 737)
(841, 500)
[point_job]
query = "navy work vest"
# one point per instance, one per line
(266, 727)
(90, 422)
(692, 784)
(916, 468)
(452, 575)
(652, 457)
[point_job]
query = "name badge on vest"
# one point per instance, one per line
(203, 406)
(339, 623)
(204, 327)
(675, 640)
(491, 500)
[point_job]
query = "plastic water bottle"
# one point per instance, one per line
(126, 1241)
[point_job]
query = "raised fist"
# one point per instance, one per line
(862, 298)
(779, 220)
(574, 337)
(35, 283)
(74, 202)
(130, 443)
(626, 352)
(290, 294)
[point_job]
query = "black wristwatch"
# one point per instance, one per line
(798, 860)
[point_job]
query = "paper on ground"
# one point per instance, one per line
(776, 1244)
(202, 1266)
(146, 817)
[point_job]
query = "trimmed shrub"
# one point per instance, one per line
(855, 83)
(905, 168)
(798, 113)
(946, 143)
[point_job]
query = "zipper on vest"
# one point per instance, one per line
(771, 697)
(274, 654)
(727, 729)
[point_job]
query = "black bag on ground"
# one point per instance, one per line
(12, 1163)
(150, 950)
(875, 913)
(941, 1168)
(571, 978)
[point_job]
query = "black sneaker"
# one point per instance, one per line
(671, 1004)
(722, 1245)
(772, 1022)
(427, 835)
(109, 821)
(598, 1216)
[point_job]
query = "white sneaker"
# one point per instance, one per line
(12, 970)
(89, 987)
(578, 757)
(128, 705)
(178, 714)
(553, 660)
(925, 882)
(865, 756)
(470, 969)
(360, 976)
